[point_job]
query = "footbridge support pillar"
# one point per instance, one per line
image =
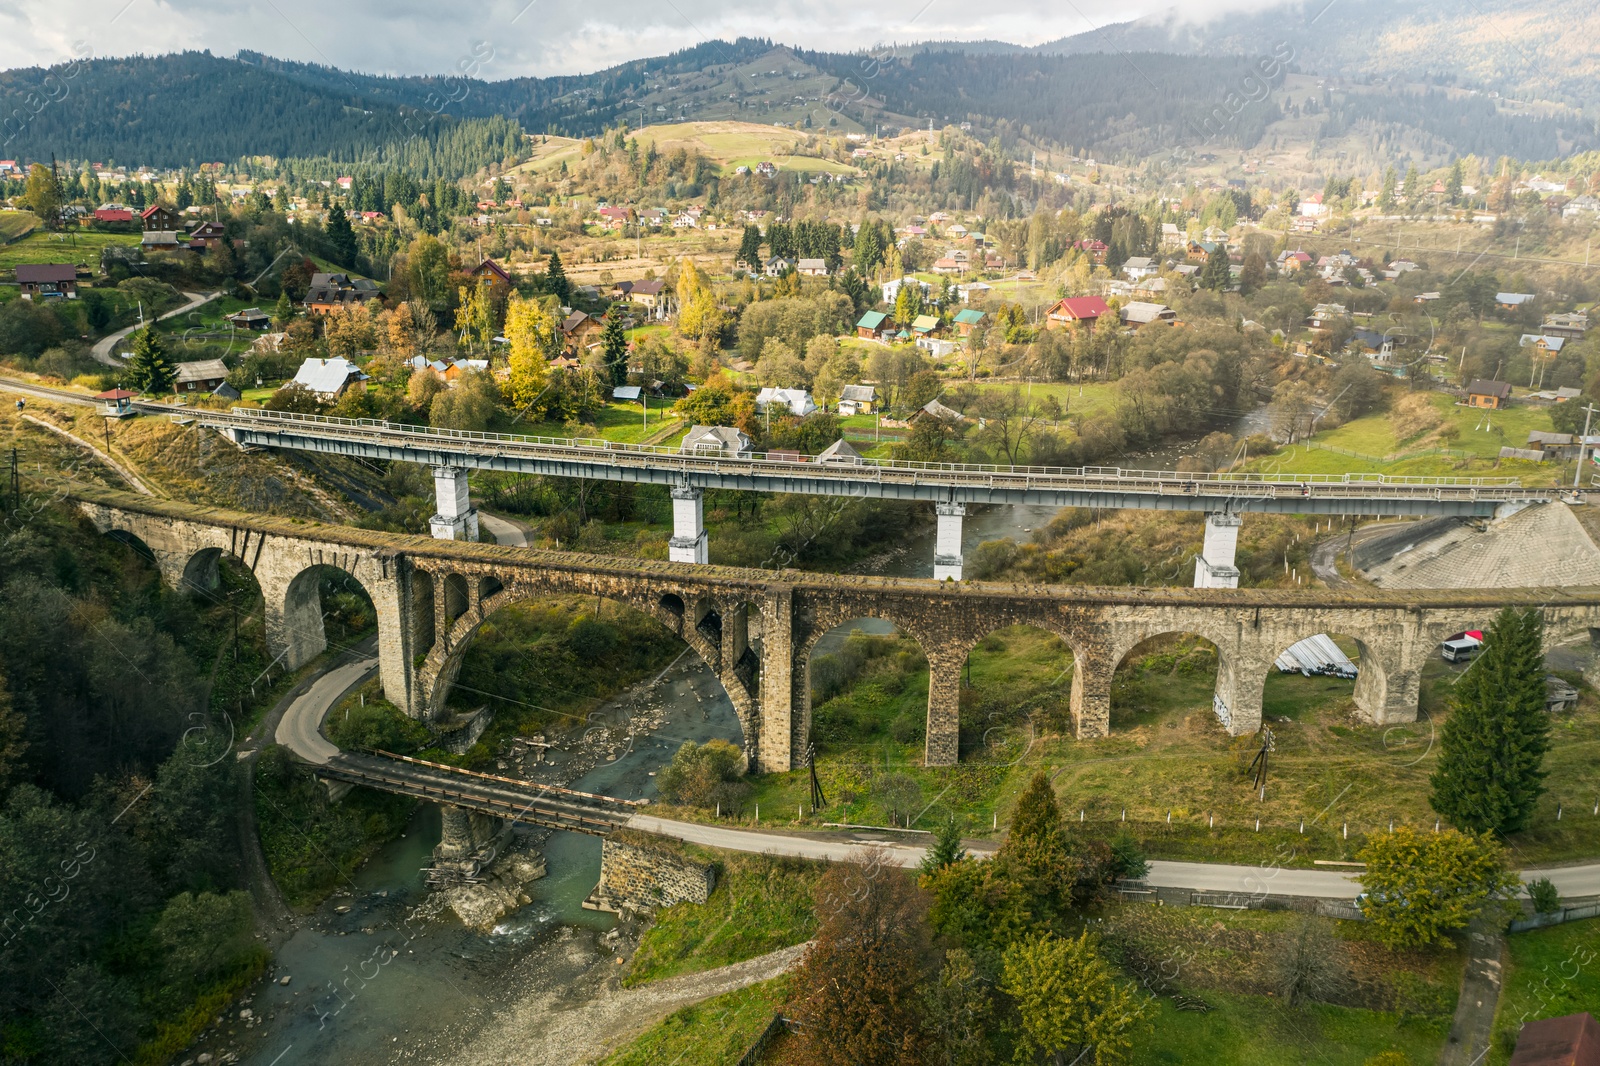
(688, 543)
(1214, 568)
(456, 518)
(947, 543)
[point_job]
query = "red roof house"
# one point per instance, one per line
(1074, 310)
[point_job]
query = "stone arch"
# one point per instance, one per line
(1070, 640)
(1126, 653)
(457, 597)
(941, 744)
(1369, 688)
(134, 541)
(298, 625)
(443, 662)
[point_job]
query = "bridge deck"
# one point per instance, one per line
(894, 479)
(546, 805)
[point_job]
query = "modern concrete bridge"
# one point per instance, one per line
(757, 628)
(950, 486)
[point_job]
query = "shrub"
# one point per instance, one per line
(1546, 898)
(704, 775)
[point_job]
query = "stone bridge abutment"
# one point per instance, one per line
(757, 630)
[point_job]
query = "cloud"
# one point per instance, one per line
(541, 37)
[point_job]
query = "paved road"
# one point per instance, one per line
(505, 530)
(1473, 1024)
(300, 730)
(104, 350)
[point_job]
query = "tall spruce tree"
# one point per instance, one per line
(1215, 274)
(614, 343)
(341, 236)
(148, 367)
(750, 248)
(555, 278)
(1491, 749)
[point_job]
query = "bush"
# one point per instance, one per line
(704, 775)
(1546, 898)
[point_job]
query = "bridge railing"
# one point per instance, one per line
(1167, 480)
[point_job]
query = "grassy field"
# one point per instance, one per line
(712, 1033)
(82, 248)
(1169, 758)
(1552, 972)
(1255, 1030)
(761, 904)
(1077, 402)
(14, 224)
(621, 422)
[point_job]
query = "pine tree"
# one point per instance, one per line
(284, 311)
(1492, 747)
(750, 248)
(946, 848)
(341, 236)
(1038, 815)
(1386, 197)
(614, 343)
(555, 278)
(148, 367)
(1215, 275)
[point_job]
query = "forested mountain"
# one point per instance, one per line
(182, 109)
(1536, 52)
(192, 107)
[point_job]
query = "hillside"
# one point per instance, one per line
(1532, 53)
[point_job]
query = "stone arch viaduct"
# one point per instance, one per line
(757, 628)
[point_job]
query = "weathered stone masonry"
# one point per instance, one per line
(757, 629)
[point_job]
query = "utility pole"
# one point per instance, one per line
(1588, 413)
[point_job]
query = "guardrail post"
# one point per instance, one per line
(456, 519)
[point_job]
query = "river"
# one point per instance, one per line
(369, 984)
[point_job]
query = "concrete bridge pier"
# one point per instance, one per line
(467, 834)
(1214, 568)
(947, 542)
(456, 519)
(688, 543)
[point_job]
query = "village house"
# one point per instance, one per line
(249, 318)
(1492, 395)
(651, 294)
(1325, 316)
(1075, 310)
(716, 440)
(858, 400)
(328, 378)
(974, 290)
(113, 213)
(1138, 267)
(329, 291)
(812, 268)
(1510, 301)
(778, 266)
(1140, 313)
(840, 452)
(158, 219)
(872, 325)
(47, 281)
(1570, 324)
(797, 401)
(500, 280)
(925, 326)
(1096, 250)
(1547, 346)
(580, 330)
(967, 320)
(206, 235)
(202, 375)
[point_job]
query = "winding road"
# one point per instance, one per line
(104, 350)
(300, 730)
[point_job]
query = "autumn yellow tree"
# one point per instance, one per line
(699, 317)
(475, 316)
(534, 337)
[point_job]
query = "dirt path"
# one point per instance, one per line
(1468, 1043)
(121, 471)
(583, 1021)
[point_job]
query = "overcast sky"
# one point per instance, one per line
(538, 38)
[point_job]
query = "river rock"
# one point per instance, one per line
(482, 906)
